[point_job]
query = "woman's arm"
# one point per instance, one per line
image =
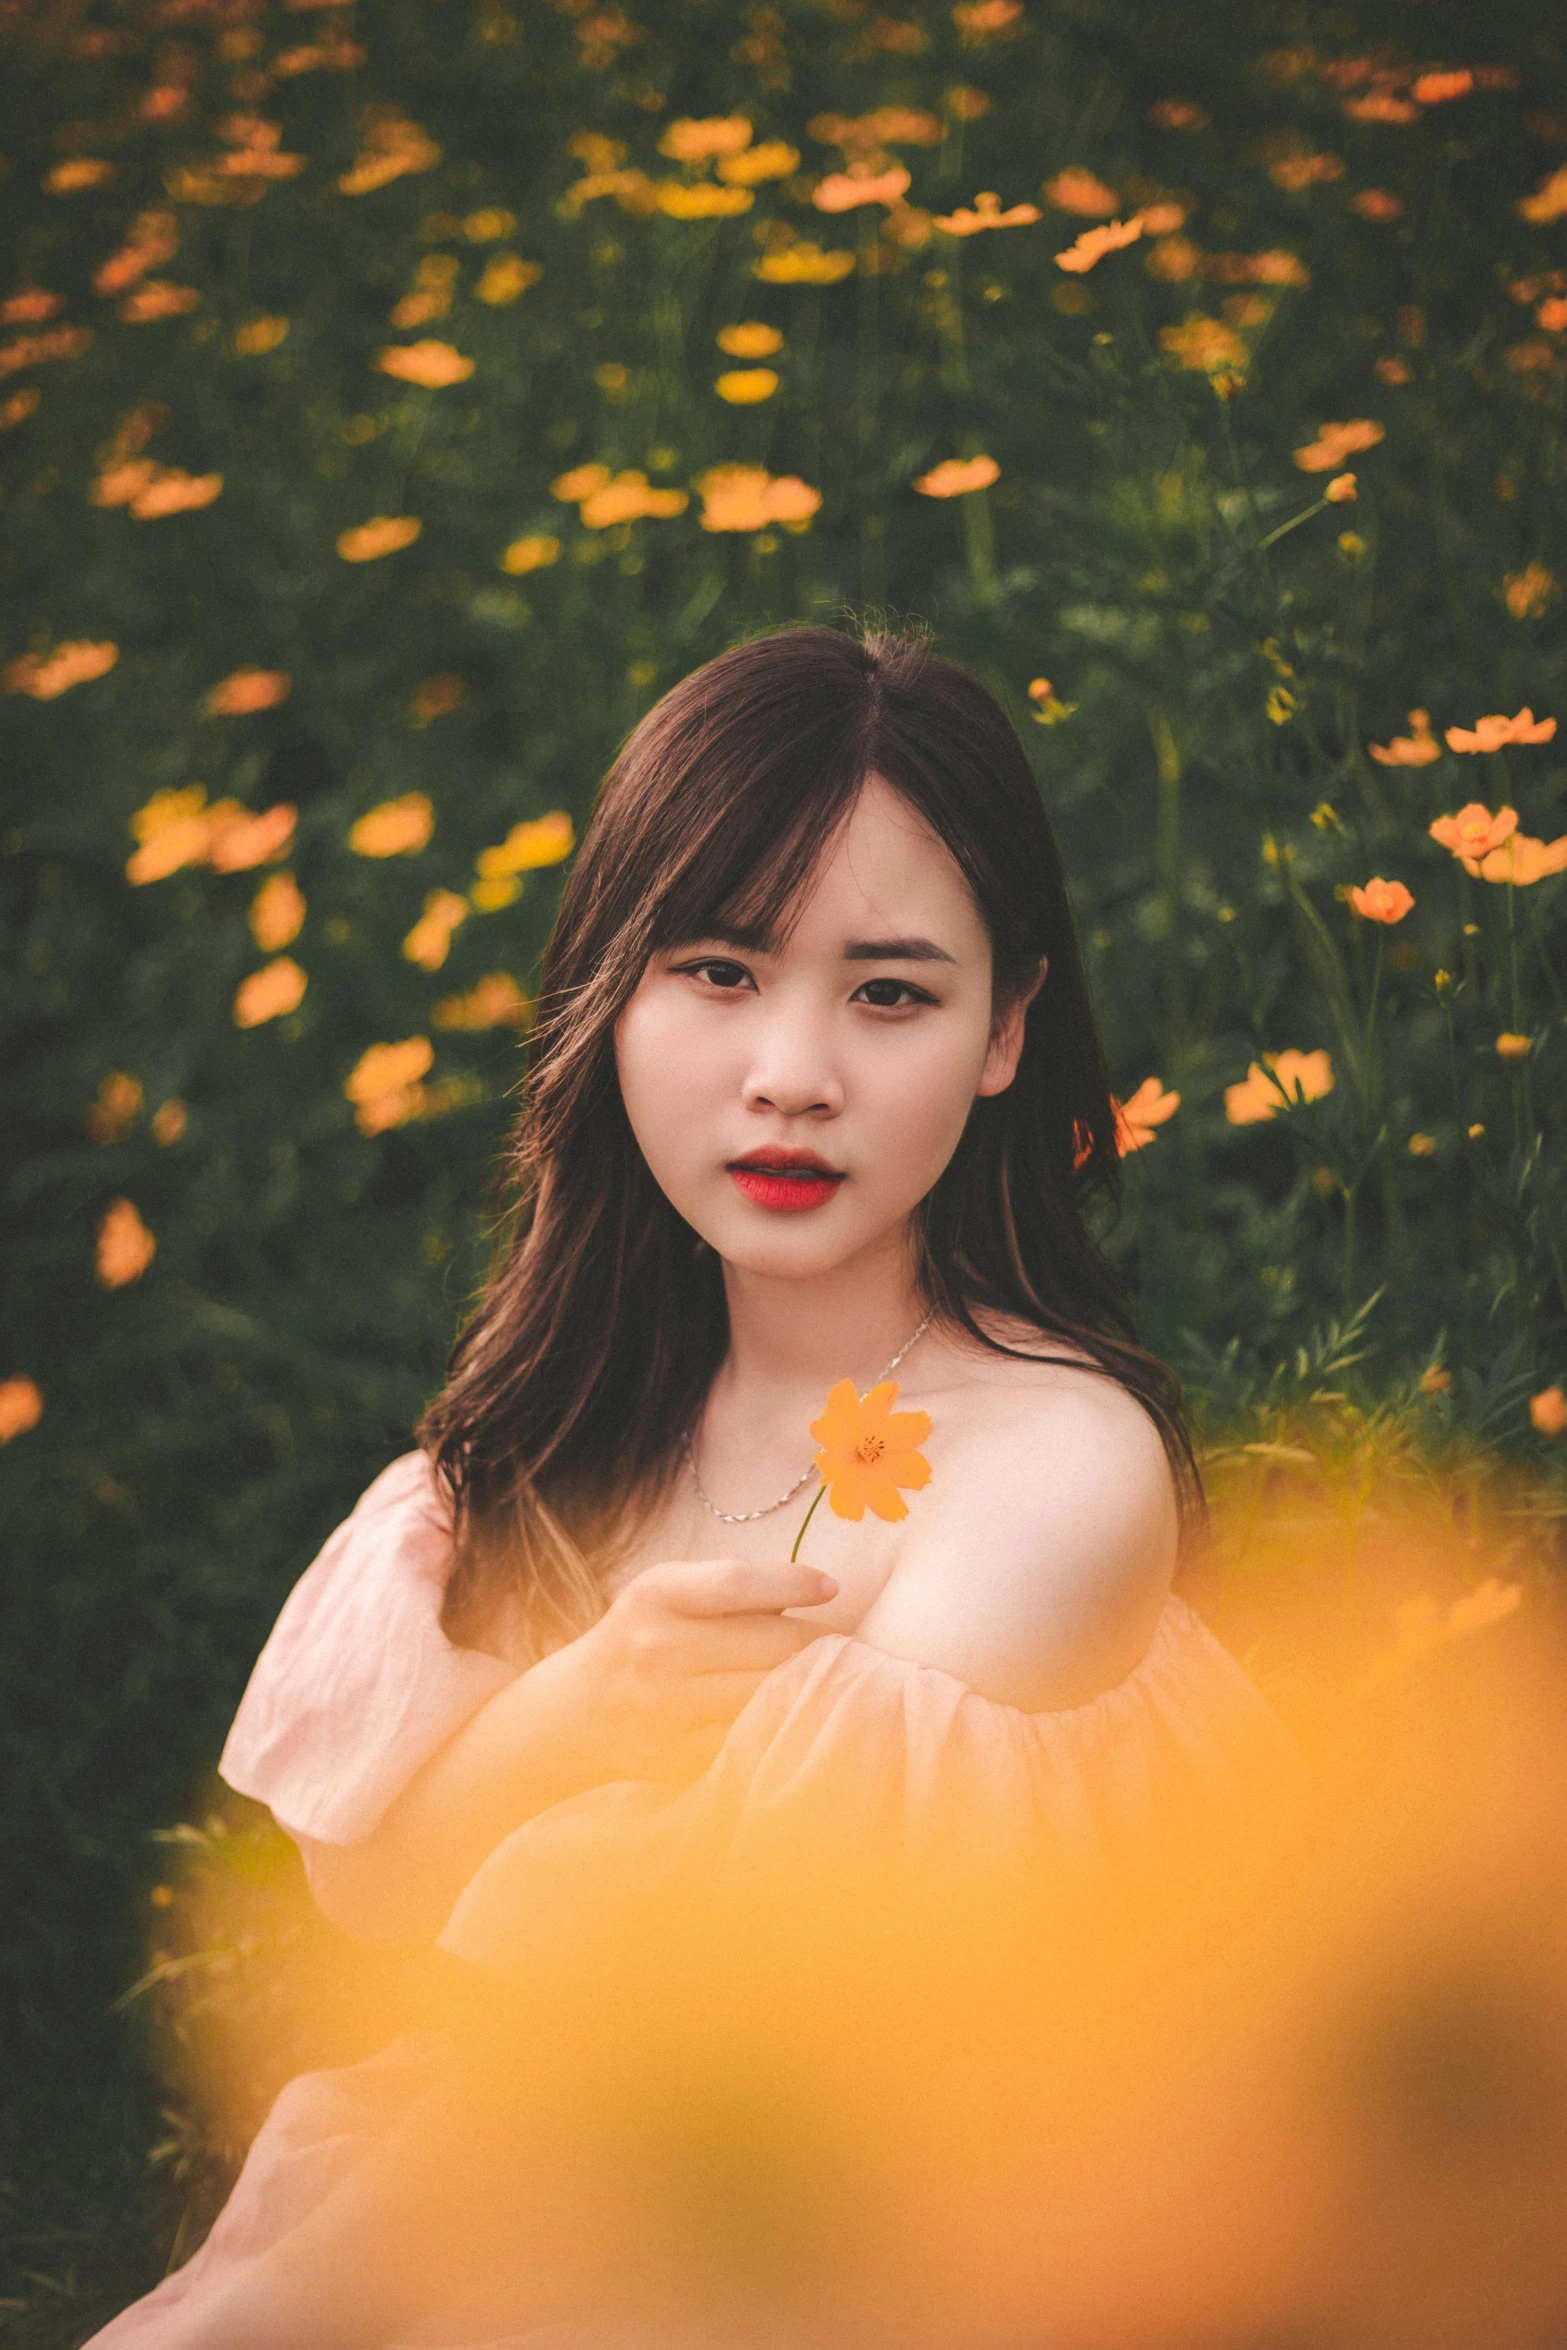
(648, 1693)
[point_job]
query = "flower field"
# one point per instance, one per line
(395, 399)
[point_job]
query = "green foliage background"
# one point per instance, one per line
(205, 1426)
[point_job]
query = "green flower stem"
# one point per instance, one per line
(805, 1521)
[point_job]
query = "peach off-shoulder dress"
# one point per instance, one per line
(358, 1686)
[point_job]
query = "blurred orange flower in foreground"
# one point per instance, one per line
(384, 1084)
(955, 477)
(1381, 901)
(866, 1450)
(495, 1001)
(429, 363)
(1489, 734)
(125, 1246)
(397, 828)
(1135, 1120)
(46, 675)
(1474, 832)
(1513, 1047)
(115, 1107)
(21, 1407)
(1095, 243)
(1335, 442)
(245, 690)
(277, 988)
(1278, 1081)
(383, 534)
(277, 913)
(1548, 1411)
(1080, 191)
(429, 942)
(748, 497)
(1416, 749)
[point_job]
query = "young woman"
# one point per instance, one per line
(815, 1094)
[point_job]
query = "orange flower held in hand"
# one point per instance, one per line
(867, 1450)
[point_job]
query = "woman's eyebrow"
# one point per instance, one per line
(896, 950)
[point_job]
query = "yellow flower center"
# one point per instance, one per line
(870, 1449)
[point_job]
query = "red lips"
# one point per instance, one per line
(785, 1178)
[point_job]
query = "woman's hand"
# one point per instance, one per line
(679, 1652)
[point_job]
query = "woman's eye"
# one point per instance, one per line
(719, 973)
(890, 995)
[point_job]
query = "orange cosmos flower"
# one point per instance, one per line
(277, 913)
(955, 477)
(1416, 749)
(1376, 204)
(21, 1407)
(743, 387)
(169, 1122)
(1135, 1120)
(1527, 593)
(495, 1001)
(429, 363)
(1548, 1411)
(1340, 489)
(1489, 734)
(383, 534)
(748, 497)
(259, 335)
(115, 1107)
(125, 1246)
(1438, 89)
(429, 942)
(397, 828)
(268, 994)
(173, 830)
(171, 490)
(1095, 243)
(18, 408)
(1474, 832)
(393, 145)
(83, 171)
(702, 200)
(1381, 901)
(155, 299)
(245, 690)
(690, 141)
(843, 191)
(30, 308)
(384, 1086)
(237, 841)
(1080, 191)
(1335, 442)
(1512, 1046)
(617, 498)
(979, 21)
(46, 675)
(542, 840)
(750, 339)
(867, 1451)
(531, 553)
(1524, 860)
(1279, 1081)
(61, 342)
(986, 213)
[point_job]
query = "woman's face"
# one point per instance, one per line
(797, 1098)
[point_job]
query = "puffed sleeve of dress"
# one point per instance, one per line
(358, 1685)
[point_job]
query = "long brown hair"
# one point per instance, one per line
(604, 1321)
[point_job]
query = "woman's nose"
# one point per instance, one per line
(793, 1072)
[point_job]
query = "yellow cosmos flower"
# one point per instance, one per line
(1279, 1081)
(692, 141)
(743, 387)
(531, 553)
(774, 159)
(384, 1084)
(429, 942)
(259, 335)
(397, 828)
(867, 1451)
(277, 913)
(748, 497)
(1512, 1046)
(750, 339)
(702, 200)
(803, 264)
(506, 276)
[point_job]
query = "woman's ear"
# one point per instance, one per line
(1006, 1035)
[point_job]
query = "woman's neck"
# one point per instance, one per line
(791, 1335)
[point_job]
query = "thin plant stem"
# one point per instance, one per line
(1349, 1190)
(816, 1501)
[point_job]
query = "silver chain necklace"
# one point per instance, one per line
(744, 1517)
